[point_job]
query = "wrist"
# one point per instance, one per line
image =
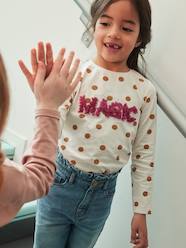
(139, 215)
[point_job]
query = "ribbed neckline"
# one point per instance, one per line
(109, 71)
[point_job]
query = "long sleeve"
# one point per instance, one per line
(143, 155)
(32, 179)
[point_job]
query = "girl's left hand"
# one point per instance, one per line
(139, 236)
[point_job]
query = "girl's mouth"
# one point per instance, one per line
(112, 45)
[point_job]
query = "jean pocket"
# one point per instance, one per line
(60, 179)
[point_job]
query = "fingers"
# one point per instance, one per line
(34, 62)
(59, 61)
(67, 64)
(139, 240)
(49, 58)
(27, 73)
(76, 81)
(133, 236)
(41, 73)
(73, 71)
(41, 52)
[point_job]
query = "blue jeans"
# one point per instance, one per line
(74, 212)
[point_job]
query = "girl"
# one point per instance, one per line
(109, 118)
(23, 183)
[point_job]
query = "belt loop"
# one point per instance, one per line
(72, 178)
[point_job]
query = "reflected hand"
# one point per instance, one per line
(38, 55)
(139, 236)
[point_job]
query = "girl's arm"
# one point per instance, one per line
(22, 183)
(143, 153)
(31, 181)
(143, 166)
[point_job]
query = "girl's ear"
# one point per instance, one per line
(138, 43)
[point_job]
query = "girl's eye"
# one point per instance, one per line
(127, 29)
(104, 24)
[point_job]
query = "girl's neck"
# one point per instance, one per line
(112, 66)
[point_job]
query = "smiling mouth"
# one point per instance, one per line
(112, 45)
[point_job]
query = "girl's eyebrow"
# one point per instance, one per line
(125, 20)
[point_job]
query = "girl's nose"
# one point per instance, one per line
(114, 33)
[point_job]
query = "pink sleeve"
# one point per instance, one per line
(32, 179)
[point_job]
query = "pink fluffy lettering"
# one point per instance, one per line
(114, 109)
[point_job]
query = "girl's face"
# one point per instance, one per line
(116, 35)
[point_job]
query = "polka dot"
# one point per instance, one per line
(135, 87)
(121, 79)
(149, 179)
(148, 100)
(129, 154)
(102, 147)
(152, 116)
(149, 131)
(120, 147)
(134, 169)
(67, 106)
(138, 156)
(75, 127)
(117, 158)
(71, 100)
(136, 204)
(127, 135)
(81, 149)
(114, 127)
(88, 70)
(145, 193)
(66, 139)
(105, 78)
(88, 100)
(128, 98)
(94, 87)
(87, 135)
(96, 161)
(82, 116)
(63, 147)
(141, 80)
(73, 162)
(149, 212)
(109, 98)
(146, 147)
(145, 98)
(151, 164)
(98, 126)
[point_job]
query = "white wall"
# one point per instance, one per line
(167, 60)
(23, 23)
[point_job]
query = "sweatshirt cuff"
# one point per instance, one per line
(47, 113)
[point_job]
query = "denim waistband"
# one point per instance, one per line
(96, 180)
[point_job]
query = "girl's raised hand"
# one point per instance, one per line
(52, 90)
(35, 56)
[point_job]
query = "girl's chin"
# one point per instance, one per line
(112, 60)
